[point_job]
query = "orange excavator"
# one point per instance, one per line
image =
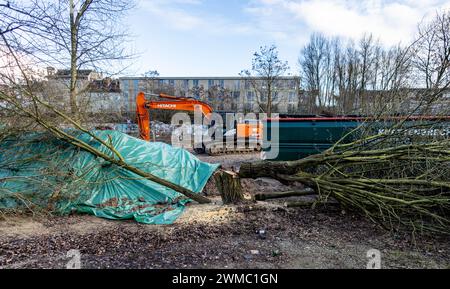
(244, 132)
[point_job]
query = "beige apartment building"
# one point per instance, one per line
(222, 93)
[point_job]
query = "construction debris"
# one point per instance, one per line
(161, 128)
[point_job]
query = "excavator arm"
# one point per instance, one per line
(173, 103)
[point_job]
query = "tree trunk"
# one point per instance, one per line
(299, 204)
(265, 196)
(269, 99)
(229, 186)
(275, 168)
(73, 63)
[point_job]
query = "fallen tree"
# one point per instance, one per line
(394, 185)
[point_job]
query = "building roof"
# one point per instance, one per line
(196, 77)
(63, 72)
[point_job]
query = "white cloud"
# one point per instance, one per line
(391, 22)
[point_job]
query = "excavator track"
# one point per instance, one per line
(214, 149)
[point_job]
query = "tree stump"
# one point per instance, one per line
(229, 185)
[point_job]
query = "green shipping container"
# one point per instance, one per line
(303, 136)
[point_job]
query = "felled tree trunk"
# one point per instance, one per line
(229, 186)
(276, 195)
(276, 168)
(266, 169)
(299, 204)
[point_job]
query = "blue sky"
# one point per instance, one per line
(218, 37)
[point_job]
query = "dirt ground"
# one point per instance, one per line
(254, 235)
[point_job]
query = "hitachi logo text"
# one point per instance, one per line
(165, 105)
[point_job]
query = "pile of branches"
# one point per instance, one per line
(395, 185)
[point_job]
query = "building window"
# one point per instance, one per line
(263, 97)
(125, 85)
(171, 82)
(236, 94)
(126, 97)
(210, 83)
(237, 85)
(250, 96)
(222, 83)
(195, 82)
(292, 84)
(186, 84)
(291, 97)
(248, 106)
(275, 96)
(247, 84)
(291, 108)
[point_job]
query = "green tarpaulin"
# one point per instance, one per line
(37, 170)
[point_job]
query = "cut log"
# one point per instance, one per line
(299, 204)
(273, 168)
(265, 196)
(266, 169)
(229, 186)
(310, 204)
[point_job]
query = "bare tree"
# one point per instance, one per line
(346, 78)
(198, 92)
(218, 96)
(312, 62)
(150, 81)
(74, 34)
(366, 56)
(432, 52)
(264, 75)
